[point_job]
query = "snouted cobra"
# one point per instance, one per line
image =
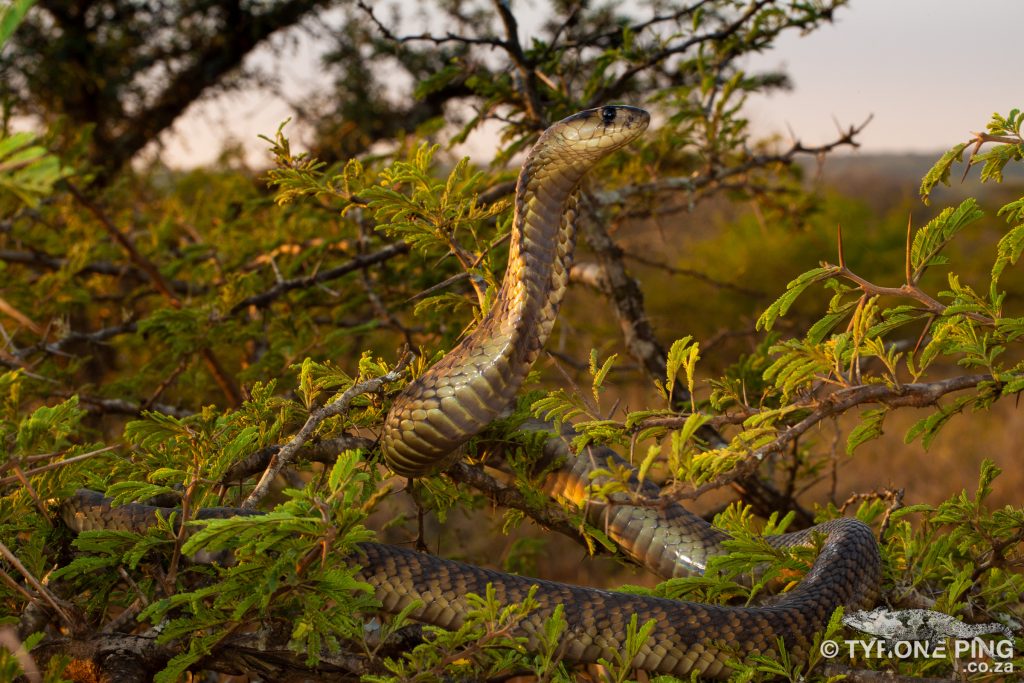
(461, 394)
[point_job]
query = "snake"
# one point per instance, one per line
(431, 420)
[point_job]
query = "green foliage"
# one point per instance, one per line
(11, 665)
(161, 332)
(793, 290)
(27, 170)
(483, 646)
(636, 636)
(682, 354)
(433, 212)
(930, 240)
(939, 173)
(11, 15)
(1005, 130)
(962, 553)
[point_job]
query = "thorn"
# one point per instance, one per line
(792, 134)
(909, 245)
(924, 333)
(839, 241)
(979, 140)
(839, 127)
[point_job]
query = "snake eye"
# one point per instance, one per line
(607, 115)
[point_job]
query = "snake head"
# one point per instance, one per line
(600, 130)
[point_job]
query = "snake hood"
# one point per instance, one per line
(474, 383)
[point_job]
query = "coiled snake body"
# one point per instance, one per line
(463, 392)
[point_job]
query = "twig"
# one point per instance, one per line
(715, 177)
(528, 75)
(39, 588)
(266, 298)
(458, 277)
(167, 381)
(548, 515)
(336, 407)
(17, 587)
(144, 264)
(27, 485)
(325, 451)
(98, 337)
(220, 376)
(618, 86)
(126, 407)
(909, 291)
(184, 517)
(38, 260)
(9, 640)
(426, 37)
(838, 402)
(8, 309)
(696, 275)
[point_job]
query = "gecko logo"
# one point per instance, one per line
(923, 634)
(919, 625)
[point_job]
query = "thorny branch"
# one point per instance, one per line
(618, 86)
(716, 176)
(836, 403)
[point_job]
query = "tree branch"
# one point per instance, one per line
(266, 298)
(337, 407)
(838, 402)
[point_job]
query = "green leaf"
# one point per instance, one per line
(1014, 211)
(930, 240)
(823, 327)
(694, 421)
(676, 357)
(1008, 252)
(939, 173)
(645, 464)
(599, 374)
(870, 427)
(928, 427)
(28, 170)
(995, 160)
(1012, 386)
(894, 318)
(793, 290)
(11, 15)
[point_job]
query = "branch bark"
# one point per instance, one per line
(266, 298)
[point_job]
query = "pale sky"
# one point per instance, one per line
(930, 71)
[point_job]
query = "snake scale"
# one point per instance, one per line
(461, 394)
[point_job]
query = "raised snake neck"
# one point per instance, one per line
(478, 379)
(463, 392)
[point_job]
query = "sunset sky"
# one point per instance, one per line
(930, 71)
